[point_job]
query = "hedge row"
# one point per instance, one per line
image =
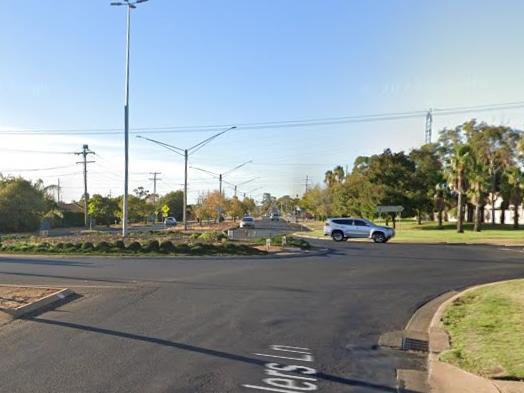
(153, 246)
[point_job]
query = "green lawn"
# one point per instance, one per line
(408, 231)
(487, 331)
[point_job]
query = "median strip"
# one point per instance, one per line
(16, 301)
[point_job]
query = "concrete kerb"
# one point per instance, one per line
(445, 378)
(46, 301)
(425, 333)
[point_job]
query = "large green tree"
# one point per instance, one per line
(175, 201)
(426, 179)
(104, 210)
(22, 204)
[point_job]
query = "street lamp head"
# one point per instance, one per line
(117, 3)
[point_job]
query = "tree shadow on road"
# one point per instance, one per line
(211, 352)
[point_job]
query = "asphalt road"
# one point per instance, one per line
(209, 325)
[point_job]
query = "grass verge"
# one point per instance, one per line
(486, 327)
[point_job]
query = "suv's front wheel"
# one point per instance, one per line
(337, 236)
(379, 237)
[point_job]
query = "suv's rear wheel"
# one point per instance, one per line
(379, 237)
(337, 236)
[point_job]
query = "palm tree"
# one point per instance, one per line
(478, 178)
(515, 179)
(329, 178)
(459, 162)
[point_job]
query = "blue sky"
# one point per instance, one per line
(235, 61)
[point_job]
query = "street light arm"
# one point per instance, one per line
(174, 149)
(248, 181)
(254, 189)
(237, 167)
(198, 146)
(206, 171)
(229, 183)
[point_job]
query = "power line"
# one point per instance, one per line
(38, 169)
(36, 151)
(312, 122)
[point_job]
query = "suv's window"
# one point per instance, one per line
(361, 223)
(343, 222)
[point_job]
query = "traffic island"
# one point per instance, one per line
(17, 301)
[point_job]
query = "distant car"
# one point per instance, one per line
(247, 222)
(344, 228)
(274, 217)
(170, 222)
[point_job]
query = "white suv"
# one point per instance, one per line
(346, 227)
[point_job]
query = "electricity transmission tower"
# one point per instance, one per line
(307, 183)
(429, 125)
(84, 153)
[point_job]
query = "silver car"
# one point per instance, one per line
(247, 222)
(346, 227)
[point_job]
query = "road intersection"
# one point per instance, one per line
(201, 325)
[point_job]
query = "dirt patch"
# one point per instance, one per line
(14, 297)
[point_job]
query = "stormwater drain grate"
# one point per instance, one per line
(413, 344)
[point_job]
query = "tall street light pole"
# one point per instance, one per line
(130, 5)
(186, 153)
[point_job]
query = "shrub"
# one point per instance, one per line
(70, 246)
(23, 247)
(167, 246)
(195, 235)
(103, 246)
(182, 248)
(197, 249)
(213, 236)
(120, 244)
(59, 246)
(135, 247)
(231, 248)
(42, 247)
(153, 246)
(87, 246)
